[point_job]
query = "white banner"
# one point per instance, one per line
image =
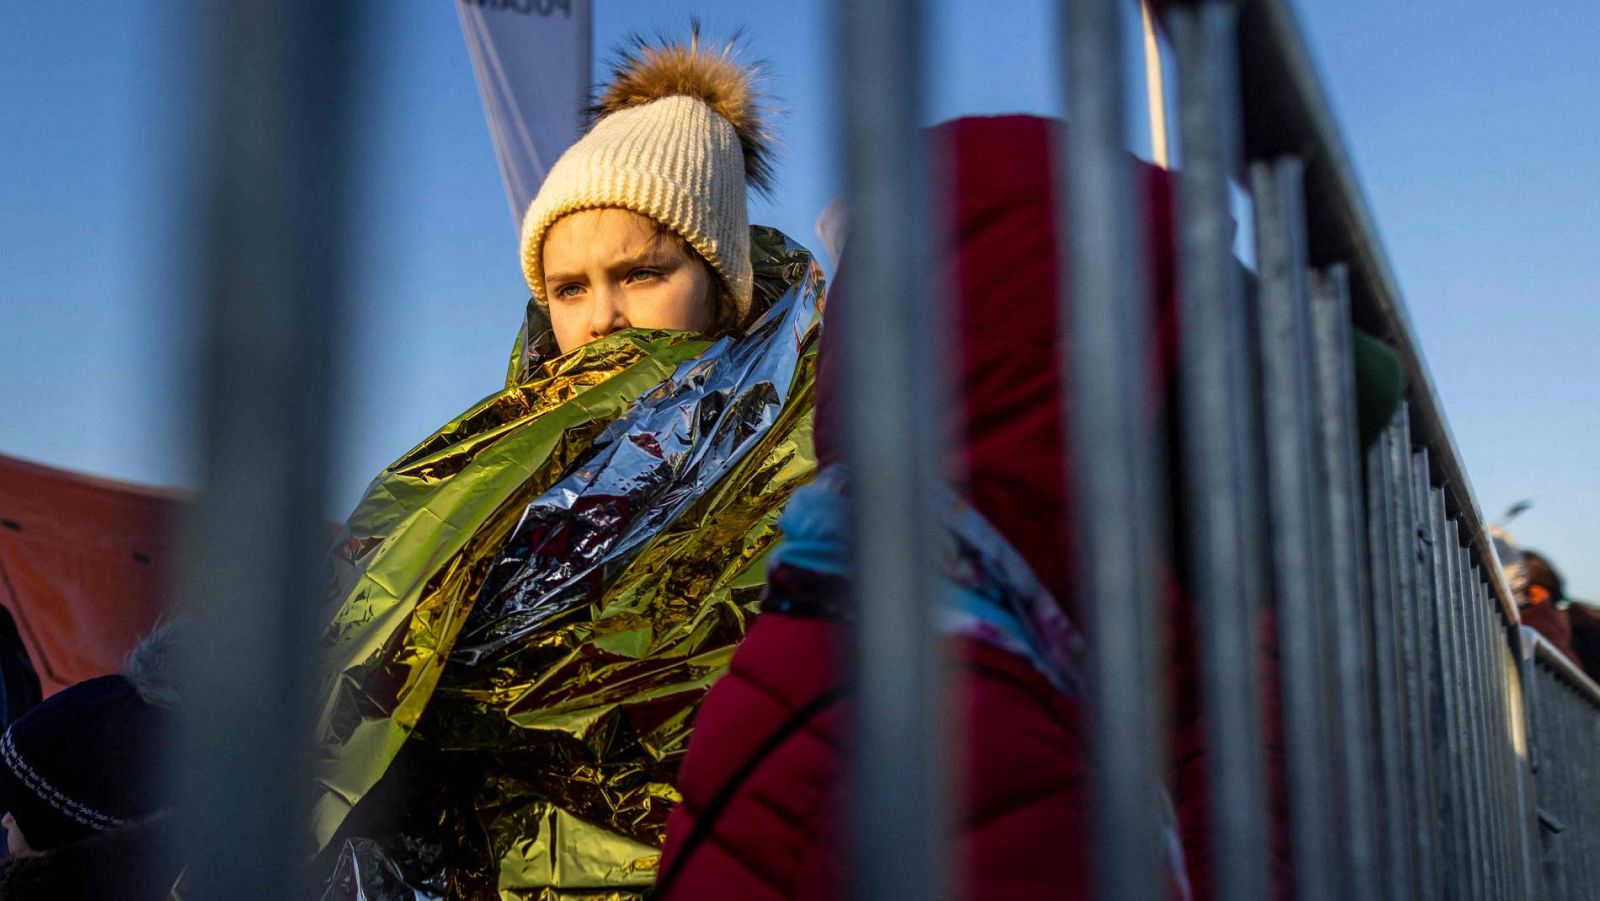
(531, 59)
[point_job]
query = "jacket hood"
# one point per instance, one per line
(1004, 263)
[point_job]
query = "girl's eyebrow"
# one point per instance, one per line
(649, 255)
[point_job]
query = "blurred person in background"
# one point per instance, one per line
(19, 681)
(82, 785)
(1585, 621)
(1541, 602)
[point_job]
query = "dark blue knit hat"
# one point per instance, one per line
(87, 759)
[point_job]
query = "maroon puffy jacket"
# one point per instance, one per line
(761, 812)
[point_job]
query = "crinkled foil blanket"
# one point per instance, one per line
(533, 602)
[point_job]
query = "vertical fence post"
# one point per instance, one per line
(1396, 846)
(1219, 447)
(1586, 790)
(1476, 725)
(1539, 846)
(1341, 476)
(1425, 623)
(1459, 623)
(1114, 470)
(1515, 754)
(1502, 744)
(272, 252)
(890, 340)
(1442, 536)
(1491, 734)
(1297, 592)
(1505, 672)
(1432, 588)
(1413, 650)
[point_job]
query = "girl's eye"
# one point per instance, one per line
(567, 292)
(640, 275)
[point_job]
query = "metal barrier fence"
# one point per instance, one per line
(1407, 685)
(1563, 716)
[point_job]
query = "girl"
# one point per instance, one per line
(533, 601)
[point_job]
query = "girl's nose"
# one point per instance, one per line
(606, 314)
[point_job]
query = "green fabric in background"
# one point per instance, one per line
(1380, 384)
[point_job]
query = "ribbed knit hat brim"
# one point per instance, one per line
(679, 133)
(674, 161)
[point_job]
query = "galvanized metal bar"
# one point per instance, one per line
(1451, 785)
(1504, 799)
(1345, 556)
(1499, 855)
(1487, 748)
(1219, 434)
(1430, 660)
(1455, 623)
(1414, 663)
(1395, 848)
(1115, 463)
(1505, 767)
(1478, 721)
(1580, 843)
(1536, 845)
(1581, 858)
(1540, 735)
(1526, 820)
(1505, 669)
(1471, 707)
(1431, 591)
(891, 344)
(1558, 799)
(1530, 691)
(1493, 641)
(1568, 843)
(271, 255)
(1584, 754)
(1287, 405)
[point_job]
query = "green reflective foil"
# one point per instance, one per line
(546, 759)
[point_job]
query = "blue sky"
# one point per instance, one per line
(1471, 122)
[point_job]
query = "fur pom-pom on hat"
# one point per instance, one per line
(647, 71)
(679, 135)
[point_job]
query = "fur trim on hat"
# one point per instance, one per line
(647, 71)
(149, 667)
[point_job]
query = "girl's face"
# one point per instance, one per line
(611, 269)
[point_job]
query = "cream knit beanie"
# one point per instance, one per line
(677, 136)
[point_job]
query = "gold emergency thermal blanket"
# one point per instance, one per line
(532, 603)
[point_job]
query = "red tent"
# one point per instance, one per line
(83, 566)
